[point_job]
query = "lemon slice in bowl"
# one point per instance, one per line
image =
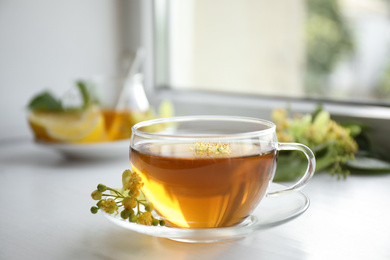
(69, 127)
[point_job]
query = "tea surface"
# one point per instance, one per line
(193, 191)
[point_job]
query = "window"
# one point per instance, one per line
(249, 57)
(332, 50)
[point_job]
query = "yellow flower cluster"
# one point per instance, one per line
(129, 198)
(320, 133)
(108, 205)
(279, 116)
(145, 218)
(343, 135)
(312, 131)
(208, 149)
(129, 203)
(132, 182)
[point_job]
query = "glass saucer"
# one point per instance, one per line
(272, 211)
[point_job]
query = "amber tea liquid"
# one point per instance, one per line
(202, 191)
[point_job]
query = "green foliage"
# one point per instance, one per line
(339, 149)
(46, 101)
(88, 94)
(332, 144)
(328, 40)
(383, 86)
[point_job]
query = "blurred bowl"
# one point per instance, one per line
(60, 130)
(116, 150)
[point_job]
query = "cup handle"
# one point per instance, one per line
(309, 170)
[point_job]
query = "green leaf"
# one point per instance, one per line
(292, 165)
(84, 93)
(45, 101)
(88, 94)
(355, 128)
(321, 122)
(318, 109)
(289, 167)
(368, 165)
(327, 159)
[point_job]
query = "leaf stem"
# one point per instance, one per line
(109, 195)
(116, 192)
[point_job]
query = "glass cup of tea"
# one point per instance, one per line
(209, 171)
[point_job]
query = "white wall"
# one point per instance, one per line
(48, 44)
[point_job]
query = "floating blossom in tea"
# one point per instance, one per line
(127, 199)
(208, 149)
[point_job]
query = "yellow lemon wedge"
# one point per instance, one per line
(70, 127)
(118, 124)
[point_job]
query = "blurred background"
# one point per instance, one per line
(48, 45)
(334, 49)
(205, 56)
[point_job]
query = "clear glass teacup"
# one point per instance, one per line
(209, 171)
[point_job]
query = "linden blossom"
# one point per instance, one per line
(128, 199)
(208, 149)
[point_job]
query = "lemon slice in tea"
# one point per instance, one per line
(72, 127)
